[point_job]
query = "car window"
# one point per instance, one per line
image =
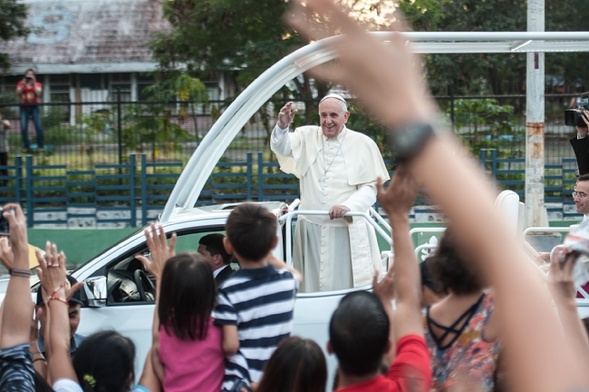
(128, 282)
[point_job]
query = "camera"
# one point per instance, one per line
(4, 227)
(574, 117)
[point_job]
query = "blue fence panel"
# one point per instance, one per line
(111, 193)
(115, 193)
(46, 193)
(81, 194)
(12, 189)
(273, 184)
(232, 181)
(157, 181)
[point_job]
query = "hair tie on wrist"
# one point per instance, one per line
(19, 272)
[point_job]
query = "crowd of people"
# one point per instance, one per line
(491, 325)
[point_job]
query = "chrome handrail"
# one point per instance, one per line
(287, 218)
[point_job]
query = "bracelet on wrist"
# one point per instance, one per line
(63, 301)
(19, 272)
(39, 359)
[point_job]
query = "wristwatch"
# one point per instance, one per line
(409, 140)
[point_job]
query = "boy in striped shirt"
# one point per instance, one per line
(254, 306)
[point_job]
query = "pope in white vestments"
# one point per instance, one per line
(337, 169)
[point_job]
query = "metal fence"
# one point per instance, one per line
(82, 135)
(134, 193)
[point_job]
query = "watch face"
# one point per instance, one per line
(409, 139)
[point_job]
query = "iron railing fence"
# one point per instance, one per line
(81, 135)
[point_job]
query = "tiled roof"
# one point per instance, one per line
(87, 35)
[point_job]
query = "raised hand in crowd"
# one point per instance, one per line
(159, 248)
(388, 81)
(16, 370)
(52, 273)
(561, 283)
(397, 200)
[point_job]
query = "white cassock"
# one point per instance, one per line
(339, 171)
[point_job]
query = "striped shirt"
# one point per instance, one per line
(16, 369)
(260, 302)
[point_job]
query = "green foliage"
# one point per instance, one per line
(484, 123)
(362, 122)
(13, 16)
(156, 123)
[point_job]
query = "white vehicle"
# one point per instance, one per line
(121, 294)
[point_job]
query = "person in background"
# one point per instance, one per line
(30, 90)
(211, 248)
(580, 144)
(337, 169)
(581, 195)
(74, 313)
(297, 365)
(461, 329)
(4, 149)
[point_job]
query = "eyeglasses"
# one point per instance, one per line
(580, 194)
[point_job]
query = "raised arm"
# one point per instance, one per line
(397, 201)
(388, 81)
(161, 252)
(17, 305)
(562, 285)
(286, 115)
(53, 283)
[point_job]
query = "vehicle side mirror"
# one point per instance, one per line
(96, 291)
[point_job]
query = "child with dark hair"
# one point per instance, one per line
(297, 365)
(460, 331)
(255, 305)
(187, 354)
(104, 362)
(189, 349)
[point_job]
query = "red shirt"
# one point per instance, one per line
(410, 371)
(28, 96)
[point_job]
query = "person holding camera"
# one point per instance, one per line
(580, 143)
(30, 92)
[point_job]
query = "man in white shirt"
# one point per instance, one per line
(337, 169)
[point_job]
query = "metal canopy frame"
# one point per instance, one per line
(202, 162)
(498, 42)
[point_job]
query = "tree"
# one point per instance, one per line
(241, 38)
(13, 16)
(494, 73)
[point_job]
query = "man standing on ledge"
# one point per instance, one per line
(337, 169)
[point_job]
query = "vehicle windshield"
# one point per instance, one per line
(108, 248)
